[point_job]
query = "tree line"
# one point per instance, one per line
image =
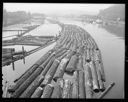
(10, 18)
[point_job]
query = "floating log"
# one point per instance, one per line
(75, 92)
(29, 80)
(101, 67)
(22, 79)
(38, 92)
(94, 76)
(61, 69)
(29, 69)
(58, 89)
(29, 72)
(88, 58)
(72, 64)
(106, 91)
(88, 81)
(61, 53)
(71, 91)
(23, 86)
(47, 91)
(56, 92)
(100, 81)
(80, 63)
(43, 76)
(74, 42)
(81, 50)
(51, 72)
(29, 91)
(91, 54)
(48, 67)
(67, 88)
(81, 85)
(93, 42)
(70, 54)
(60, 82)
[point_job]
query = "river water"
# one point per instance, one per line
(111, 46)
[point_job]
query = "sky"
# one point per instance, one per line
(56, 8)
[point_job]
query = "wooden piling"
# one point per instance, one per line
(23, 54)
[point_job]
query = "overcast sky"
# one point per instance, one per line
(56, 8)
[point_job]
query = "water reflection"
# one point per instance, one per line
(117, 29)
(46, 29)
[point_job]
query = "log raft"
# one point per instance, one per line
(76, 54)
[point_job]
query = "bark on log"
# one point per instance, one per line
(29, 72)
(61, 69)
(38, 92)
(56, 92)
(47, 91)
(72, 64)
(29, 80)
(94, 76)
(88, 81)
(81, 85)
(29, 91)
(75, 93)
(50, 74)
(67, 89)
